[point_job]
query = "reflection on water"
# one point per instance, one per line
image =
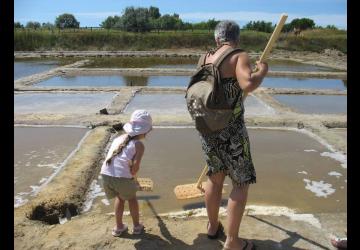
(114, 80)
(319, 104)
(143, 62)
(136, 80)
(282, 159)
(38, 153)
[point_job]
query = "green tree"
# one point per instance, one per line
(110, 22)
(259, 26)
(142, 19)
(212, 24)
(200, 26)
(331, 27)
(287, 27)
(302, 23)
(48, 25)
(155, 24)
(188, 26)
(66, 21)
(18, 25)
(154, 12)
(33, 25)
(168, 22)
(135, 19)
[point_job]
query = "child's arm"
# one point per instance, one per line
(134, 168)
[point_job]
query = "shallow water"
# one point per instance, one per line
(317, 104)
(114, 81)
(157, 104)
(27, 68)
(143, 62)
(38, 153)
(303, 83)
(189, 63)
(175, 104)
(54, 103)
(178, 81)
(284, 65)
(285, 161)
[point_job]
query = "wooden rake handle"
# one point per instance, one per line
(274, 36)
(199, 182)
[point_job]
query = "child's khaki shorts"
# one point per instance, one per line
(117, 186)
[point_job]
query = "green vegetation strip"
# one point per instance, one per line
(66, 192)
(31, 40)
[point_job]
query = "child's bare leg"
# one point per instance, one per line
(119, 210)
(134, 210)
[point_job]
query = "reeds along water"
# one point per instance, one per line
(29, 40)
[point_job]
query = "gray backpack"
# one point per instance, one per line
(205, 96)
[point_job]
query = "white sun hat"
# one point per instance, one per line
(140, 123)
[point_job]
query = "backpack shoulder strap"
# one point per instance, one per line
(226, 53)
(201, 60)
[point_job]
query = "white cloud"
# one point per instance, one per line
(245, 16)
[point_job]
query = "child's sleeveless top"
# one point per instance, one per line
(119, 166)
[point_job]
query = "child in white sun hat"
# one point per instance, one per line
(120, 166)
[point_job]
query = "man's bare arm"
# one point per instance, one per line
(247, 79)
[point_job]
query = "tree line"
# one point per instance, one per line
(63, 21)
(150, 19)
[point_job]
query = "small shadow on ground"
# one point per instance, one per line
(202, 204)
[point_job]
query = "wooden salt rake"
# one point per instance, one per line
(274, 36)
(145, 184)
(194, 190)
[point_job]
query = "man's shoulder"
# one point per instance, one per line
(241, 54)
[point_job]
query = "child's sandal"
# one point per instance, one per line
(117, 232)
(138, 229)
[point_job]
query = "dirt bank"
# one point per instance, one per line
(93, 231)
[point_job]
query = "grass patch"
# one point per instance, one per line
(37, 40)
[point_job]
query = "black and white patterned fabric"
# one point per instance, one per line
(228, 150)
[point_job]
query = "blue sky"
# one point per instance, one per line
(92, 13)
